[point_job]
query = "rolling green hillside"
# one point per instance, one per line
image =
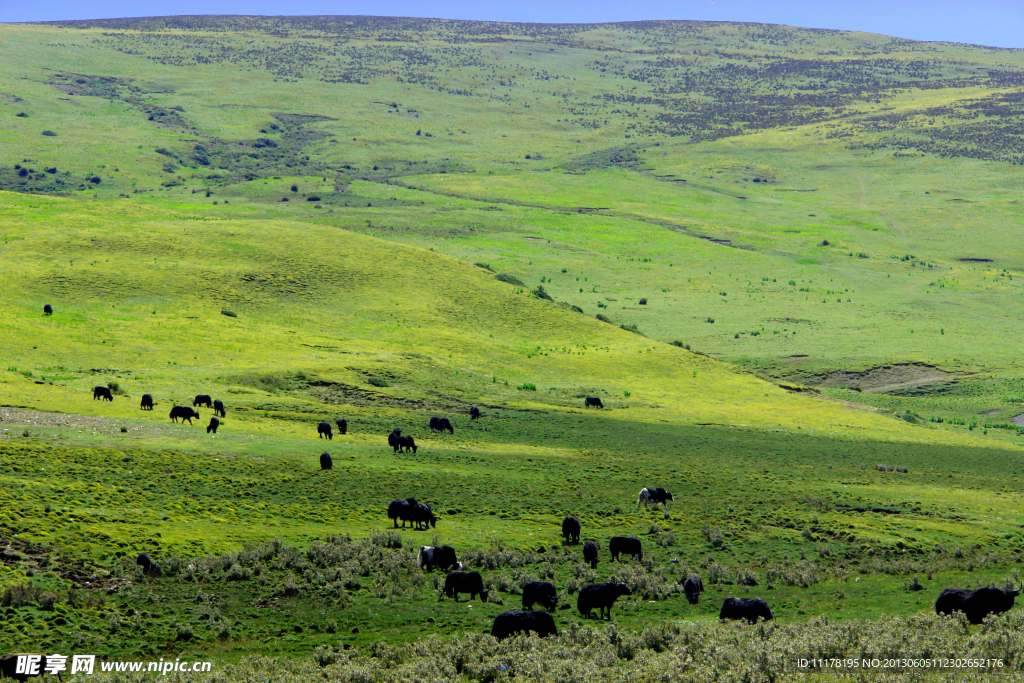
(788, 262)
(625, 154)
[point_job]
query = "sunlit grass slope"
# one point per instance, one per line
(142, 293)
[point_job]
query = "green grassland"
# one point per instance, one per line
(314, 218)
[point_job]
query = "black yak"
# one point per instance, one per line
(750, 609)
(31, 665)
(542, 592)
(465, 582)
(422, 516)
(184, 413)
(692, 589)
(510, 623)
(600, 596)
(590, 554)
(976, 604)
(440, 556)
(571, 530)
(147, 564)
(147, 402)
(440, 424)
(401, 510)
(626, 545)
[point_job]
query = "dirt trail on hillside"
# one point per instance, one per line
(885, 378)
(16, 416)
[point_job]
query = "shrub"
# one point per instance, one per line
(643, 302)
(312, 198)
(230, 314)
(510, 279)
(541, 294)
(238, 573)
(95, 180)
(603, 318)
(377, 382)
(49, 134)
(913, 585)
(528, 386)
(485, 266)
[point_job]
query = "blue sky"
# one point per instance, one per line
(998, 23)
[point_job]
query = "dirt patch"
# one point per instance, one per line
(975, 260)
(18, 417)
(1019, 420)
(991, 411)
(884, 379)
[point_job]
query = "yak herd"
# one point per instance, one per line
(183, 413)
(975, 605)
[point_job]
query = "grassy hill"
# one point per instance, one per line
(901, 155)
(788, 261)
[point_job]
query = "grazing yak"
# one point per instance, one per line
(750, 609)
(342, 425)
(422, 516)
(147, 402)
(653, 495)
(202, 400)
(34, 665)
(474, 413)
(542, 592)
(600, 596)
(590, 554)
(976, 604)
(147, 564)
(465, 582)
(212, 427)
(440, 424)
(405, 443)
(401, 510)
(47, 309)
(440, 556)
(102, 393)
(393, 437)
(326, 463)
(571, 530)
(324, 429)
(627, 545)
(593, 401)
(510, 623)
(218, 408)
(183, 412)
(692, 589)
